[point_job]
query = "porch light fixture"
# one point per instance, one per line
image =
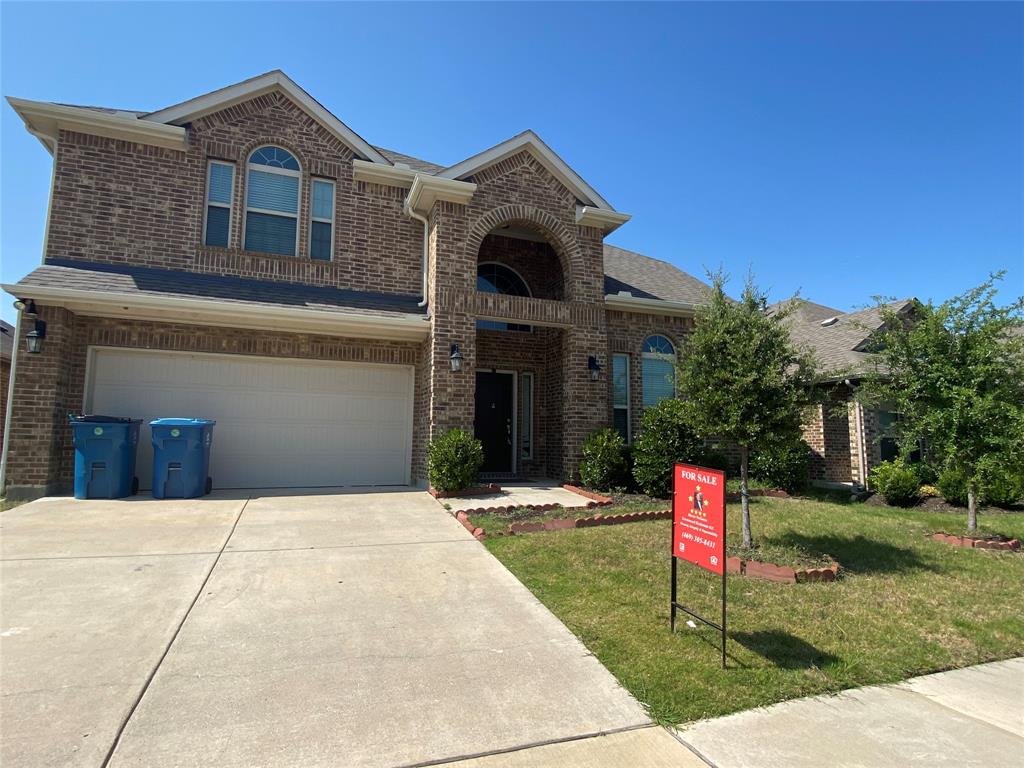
(28, 306)
(36, 336)
(456, 358)
(594, 368)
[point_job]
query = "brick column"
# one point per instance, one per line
(584, 402)
(39, 462)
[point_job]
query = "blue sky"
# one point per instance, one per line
(843, 149)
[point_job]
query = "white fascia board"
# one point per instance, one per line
(606, 221)
(648, 306)
(426, 190)
(247, 89)
(227, 314)
(44, 119)
(547, 157)
(375, 173)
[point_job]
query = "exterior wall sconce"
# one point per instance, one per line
(594, 368)
(456, 358)
(28, 306)
(36, 336)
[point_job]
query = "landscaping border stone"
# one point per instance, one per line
(601, 500)
(478, 490)
(976, 542)
(781, 574)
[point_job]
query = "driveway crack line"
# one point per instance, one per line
(177, 630)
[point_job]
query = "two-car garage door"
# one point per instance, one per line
(280, 422)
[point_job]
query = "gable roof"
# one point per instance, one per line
(256, 86)
(530, 141)
(650, 279)
(838, 346)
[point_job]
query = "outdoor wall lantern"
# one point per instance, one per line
(456, 358)
(36, 336)
(593, 367)
(28, 306)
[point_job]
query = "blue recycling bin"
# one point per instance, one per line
(181, 458)
(105, 449)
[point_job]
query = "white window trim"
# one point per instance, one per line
(217, 204)
(249, 166)
(628, 406)
(528, 455)
(317, 219)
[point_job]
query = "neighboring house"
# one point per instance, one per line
(6, 348)
(847, 440)
(245, 256)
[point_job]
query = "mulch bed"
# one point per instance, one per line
(478, 490)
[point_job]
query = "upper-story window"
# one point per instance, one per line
(272, 202)
(497, 278)
(321, 222)
(659, 370)
(220, 192)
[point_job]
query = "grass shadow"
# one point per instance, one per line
(859, 554)
(783, 649)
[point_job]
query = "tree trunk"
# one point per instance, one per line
(972, 509)
(748, 539)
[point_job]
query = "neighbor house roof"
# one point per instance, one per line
(838, 339)
(6, 342)
(643, 277)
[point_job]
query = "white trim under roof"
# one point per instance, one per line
(529, 140)
(375, 173)
(400, 327)
(45, 120)
(257, 86)
(606, 221)
(426, 190)
(628, 303)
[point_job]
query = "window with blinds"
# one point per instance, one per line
(220, 190)
(658, 372)
(272, 202)
(620, 395)
(321, 223)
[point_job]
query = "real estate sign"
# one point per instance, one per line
(698, 517)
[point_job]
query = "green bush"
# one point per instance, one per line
(664, 439)
(454, 459)
(782, 466)
(897, 482)
(604, 465)
(952, 485)
(926, 473)
(1001, 486)
(715, 459)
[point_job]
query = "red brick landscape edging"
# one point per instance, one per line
(478, 490)
(602, 501)
(782, 574)
(973, 542)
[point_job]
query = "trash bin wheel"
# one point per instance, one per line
(209, 484)
(135, 485)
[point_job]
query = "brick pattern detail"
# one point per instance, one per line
(827, 431)
(536, 263)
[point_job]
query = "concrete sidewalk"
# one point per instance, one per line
(968, 717)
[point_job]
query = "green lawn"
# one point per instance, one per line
(904, 606)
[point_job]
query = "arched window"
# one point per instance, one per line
(497, 278)
(272, 202)
(659, 370)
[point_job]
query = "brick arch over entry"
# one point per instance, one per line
(554, 231)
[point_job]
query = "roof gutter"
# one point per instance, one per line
(628, 303)
(197, 311)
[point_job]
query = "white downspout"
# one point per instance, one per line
(426, 234)
(861, 452)
(10, 404)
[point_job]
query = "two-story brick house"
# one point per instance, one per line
(245, 256)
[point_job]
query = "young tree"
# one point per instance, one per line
(955, 374)
(741, 378)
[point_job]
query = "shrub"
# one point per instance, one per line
(953, 486)
(929, 491)
(715, 459)
(454, 459)
(664, 439)
(604, 464)
(1000, 486)
(782, 466)
(926, 473)
(897, 482)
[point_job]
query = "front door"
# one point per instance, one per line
(495, 415)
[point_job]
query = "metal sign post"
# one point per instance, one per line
(698, 533)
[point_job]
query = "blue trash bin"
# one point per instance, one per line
(105, 449)
(181, 458)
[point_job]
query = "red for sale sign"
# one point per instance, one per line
(698, 516)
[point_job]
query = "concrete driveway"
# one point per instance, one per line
(266, 629)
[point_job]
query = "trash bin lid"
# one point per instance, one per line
(98, 419)
(176, 422)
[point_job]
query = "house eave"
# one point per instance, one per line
(399, 327)
(623, 303)
(425, 190)
(388, 175)
(599, 218)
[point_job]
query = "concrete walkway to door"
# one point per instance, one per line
(277, 629)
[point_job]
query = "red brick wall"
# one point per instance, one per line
(536, 263)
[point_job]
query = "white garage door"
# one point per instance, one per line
(280, 423)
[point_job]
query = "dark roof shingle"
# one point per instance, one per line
(648, 278)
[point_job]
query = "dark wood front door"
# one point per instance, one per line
(494, 419)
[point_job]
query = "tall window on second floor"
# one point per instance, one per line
(659, 370)
(321, 223)
(220, 188)
(272, 202)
